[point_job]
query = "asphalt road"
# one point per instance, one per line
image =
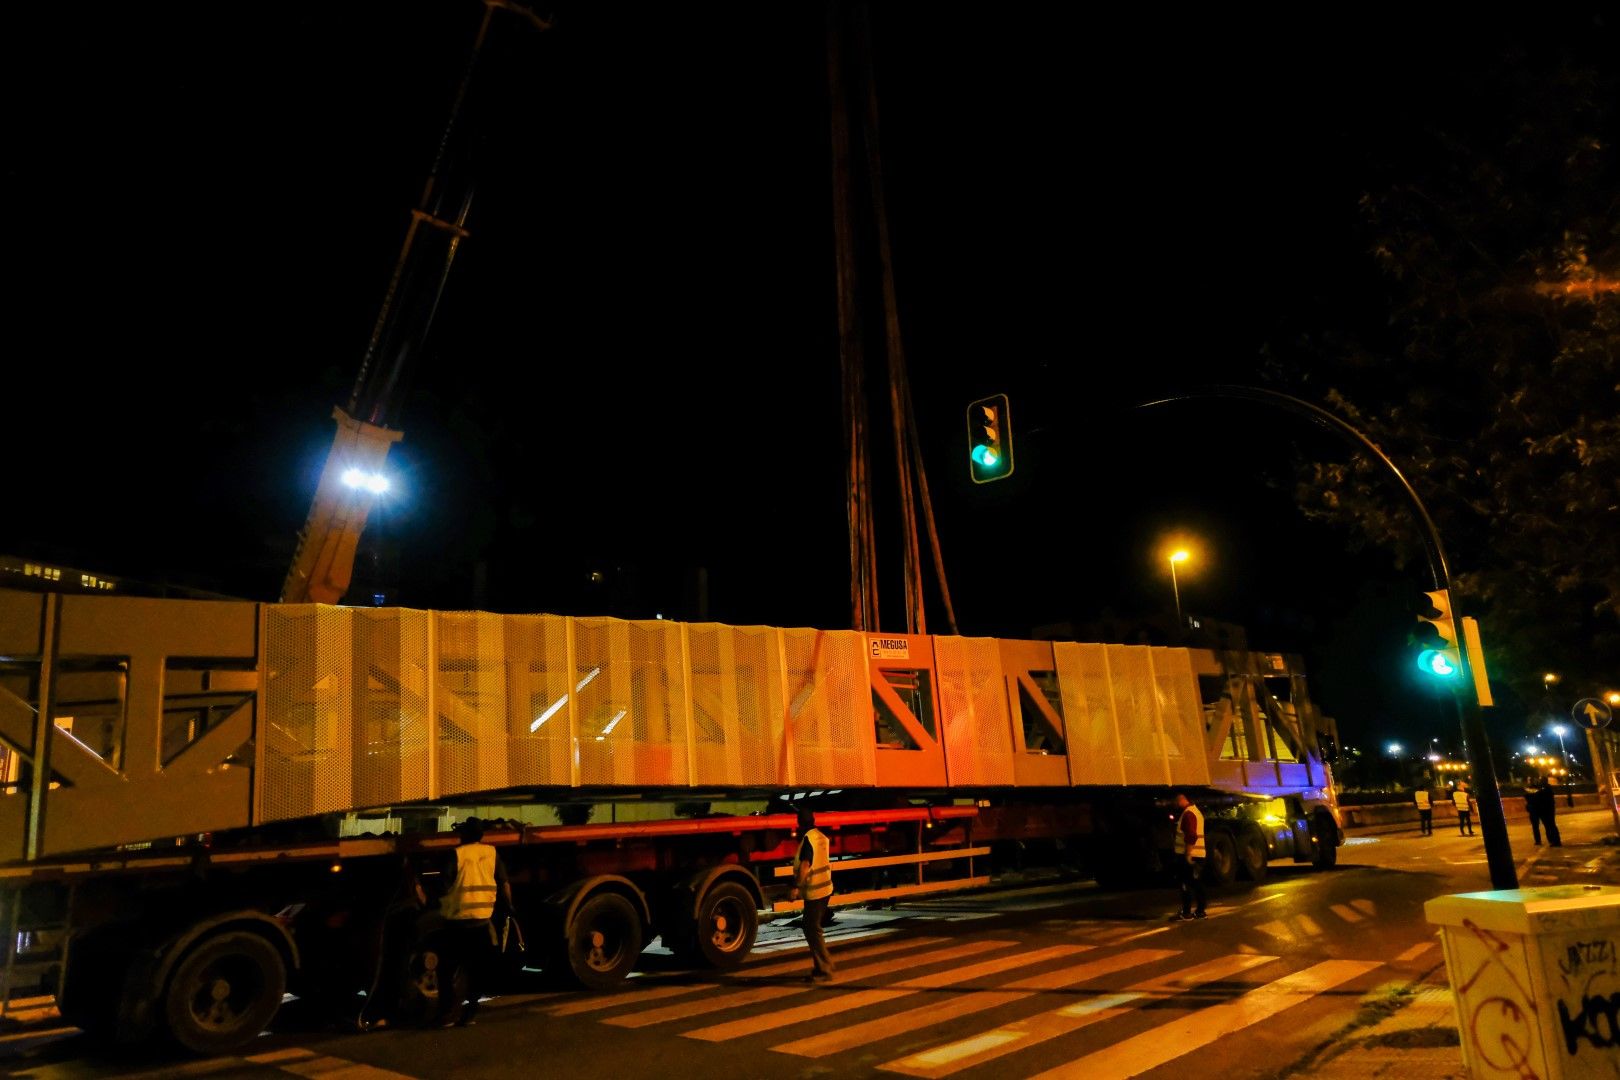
(1051, 980)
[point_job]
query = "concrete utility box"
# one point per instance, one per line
(1536, 978)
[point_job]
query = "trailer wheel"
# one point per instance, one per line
(726, 924)
(603, 941)
(431, 984)
(224, 992)
(1252, 856)
(1220, 860)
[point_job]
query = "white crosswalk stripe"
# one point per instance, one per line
(956, 1056)
(659, 989)
(966, 1004)
(800, 964)
(688, 1009)
(862, 998)
(1207, 1000)
(1150, 1049)
(1416, 951)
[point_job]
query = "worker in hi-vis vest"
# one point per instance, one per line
(468, 907)
(812, 881)
(1189, 848)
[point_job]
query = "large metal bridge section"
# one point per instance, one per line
(155, 719)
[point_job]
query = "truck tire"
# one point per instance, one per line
(603, 941)
(431, 984)
(224, 992)
(1324, 842)
(727, 921)
(1251, 851)
(1220, 859)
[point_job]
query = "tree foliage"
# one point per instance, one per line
(1495, 382)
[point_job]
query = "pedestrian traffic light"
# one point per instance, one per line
(1436, 636)
(990, 454)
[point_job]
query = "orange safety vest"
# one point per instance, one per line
(814, 878)
(472, 894)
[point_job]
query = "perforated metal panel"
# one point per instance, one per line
(539, 682)
(829, 708)
(1088, 711)
(390, 705)
(1182, 716)
(977, 726)
(308, 728)
(631, 713)
(471, 702)
(737, 711)
(1136, 710)
(545, 701)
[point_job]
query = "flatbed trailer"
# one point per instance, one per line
(209, 804)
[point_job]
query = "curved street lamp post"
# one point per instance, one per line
(1178, 556)
(1492, 825)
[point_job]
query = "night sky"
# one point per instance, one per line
(634, 372)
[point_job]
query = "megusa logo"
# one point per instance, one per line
(888, 648)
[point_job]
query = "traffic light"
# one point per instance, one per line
(1436, 636)
(990, 455)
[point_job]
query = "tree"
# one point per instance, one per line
(1496, 380)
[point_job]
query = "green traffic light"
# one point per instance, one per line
(990, 451)
(1437, 663)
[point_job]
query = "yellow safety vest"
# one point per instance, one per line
(815, 878)
(1197, 849)
(472, 894)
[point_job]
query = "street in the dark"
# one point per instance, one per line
(1304, 973)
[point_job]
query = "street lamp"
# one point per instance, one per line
(1498, 849)
(1560, 730)
(1178, 556)
(1394, 749)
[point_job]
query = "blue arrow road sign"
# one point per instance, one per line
(1591, 713)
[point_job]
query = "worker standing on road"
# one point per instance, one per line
(1189, 850)
(1532, 808)
(469, 909)
(1464, 803)
(812, 881)
(1547, 811)
(1425, 811)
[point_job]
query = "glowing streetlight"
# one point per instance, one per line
(1178, 556)
(1560, 730)
(1549, 679)
(1612, 697)
(1394, 749)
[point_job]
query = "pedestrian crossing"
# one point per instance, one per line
(942, 1005)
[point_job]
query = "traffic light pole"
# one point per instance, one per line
(1603, 775)
(1492, 825)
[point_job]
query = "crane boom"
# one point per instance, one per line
(323, 564)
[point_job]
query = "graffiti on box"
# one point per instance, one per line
(1583, 971)
(1496, 1006)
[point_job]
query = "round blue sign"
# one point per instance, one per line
(1592, 713)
